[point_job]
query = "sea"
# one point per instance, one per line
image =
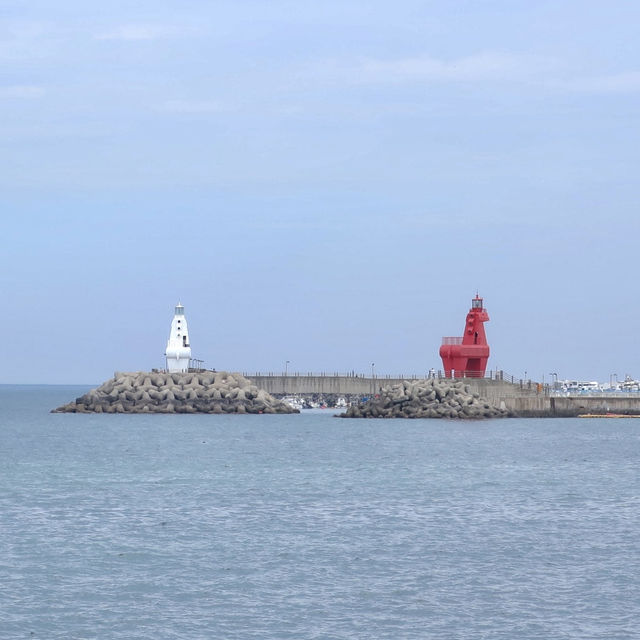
(309, 526)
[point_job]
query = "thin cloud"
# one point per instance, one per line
(193, 106)
(477, 68)
(21, 91)
(27, 40)
(626, 82)
(489, 67)
(133, 32)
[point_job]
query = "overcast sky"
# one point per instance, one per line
(327, 183)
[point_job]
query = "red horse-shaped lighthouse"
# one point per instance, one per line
(467, 356)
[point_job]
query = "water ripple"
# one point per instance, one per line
(309, 527)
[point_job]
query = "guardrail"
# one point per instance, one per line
(559, 393)
(335, 374)
(488, 375)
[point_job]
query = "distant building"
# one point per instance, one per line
(178, 352)
(579, 386)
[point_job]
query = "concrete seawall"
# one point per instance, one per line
(341, 385)
(523, 399)
(568, 406)
(352, 385)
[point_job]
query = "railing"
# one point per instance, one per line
(488, 375)
(328, 374)
(452, 340)
(575, 393)
(470, 373)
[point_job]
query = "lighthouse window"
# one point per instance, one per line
(476, 304)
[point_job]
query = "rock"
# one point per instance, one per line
(427, 399)
(207, 392)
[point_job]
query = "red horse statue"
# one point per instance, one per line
(467, 357)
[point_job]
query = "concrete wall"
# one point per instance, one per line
(573, 405)
(341, 385)
(629, 403)
(526, 400)
(493, 390)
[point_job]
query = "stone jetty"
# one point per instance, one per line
(202, 392)
(429, 398)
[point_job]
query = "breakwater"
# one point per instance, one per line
(521, 398)
(201, 392)
(222, 392)
(427, 399)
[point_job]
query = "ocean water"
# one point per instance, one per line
(307, 526)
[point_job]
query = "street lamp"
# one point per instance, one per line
(286, 368)
(373, 382)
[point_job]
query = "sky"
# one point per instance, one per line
(324, 183)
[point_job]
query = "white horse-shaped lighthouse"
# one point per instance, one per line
(178, 351)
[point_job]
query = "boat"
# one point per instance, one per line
(294, 402)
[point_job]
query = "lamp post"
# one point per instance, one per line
(286, 368)
(373, 382)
